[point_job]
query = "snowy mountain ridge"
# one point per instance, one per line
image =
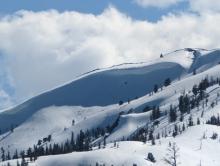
(117, 104)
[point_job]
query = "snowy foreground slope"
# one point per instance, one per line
(194, 150)
(92, 102)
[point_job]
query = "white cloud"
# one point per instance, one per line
(157, 3)
(46, 49)
(202, 6)
(5, 99)
(199, 6)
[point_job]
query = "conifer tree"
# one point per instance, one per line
(190, 121)
(167, 82)
(3, 154)
(15, 156)
(155, 88)
(172, 114)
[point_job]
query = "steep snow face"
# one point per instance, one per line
(206, 61)
(54, 110)
(108, 86)
(97, 89)
(53, 120)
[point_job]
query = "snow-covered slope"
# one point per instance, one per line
(97, 89)
(194, 149)
(92, 101)
(109, 86)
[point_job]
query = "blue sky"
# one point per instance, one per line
(92, 6)
(42, 48)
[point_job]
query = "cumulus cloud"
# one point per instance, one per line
(46, 49)
(5, 99)
(157, 3)
(205, 5)
(199, 6)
